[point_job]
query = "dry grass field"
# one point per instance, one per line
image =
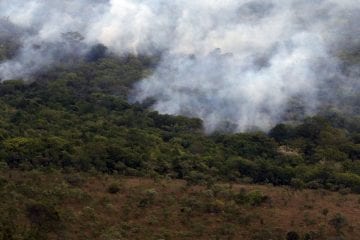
(55, 205)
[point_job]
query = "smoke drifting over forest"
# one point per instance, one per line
(237, 61)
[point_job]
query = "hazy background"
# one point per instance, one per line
(237, 63)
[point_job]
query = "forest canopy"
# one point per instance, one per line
(77, 116)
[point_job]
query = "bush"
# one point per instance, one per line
(42, 217)
(75, 180)
(344, 191)
(338, 222)
(310, 236)
(113, 188)
(255, 198)
(298, 184)
(196, 178)
(292, 236)
(148, 198)
(314, 185)
(266, 234)
(348, 179)
(3, 166)
(216, 206)
(3, 182)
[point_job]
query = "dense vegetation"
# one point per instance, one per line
(70, 140)
(77, 117)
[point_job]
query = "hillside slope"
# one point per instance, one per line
(55, 205)
(77, 117)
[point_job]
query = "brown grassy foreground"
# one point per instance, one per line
(38, 205)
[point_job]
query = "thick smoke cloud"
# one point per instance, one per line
(236, 61)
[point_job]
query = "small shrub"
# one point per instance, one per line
(75, 180)
(245, 219)
(3, 166)
(325, 212)
(308, 206)
(148, 198)
(226, 229)
(113, 188)
(196, 178)
(257, 198)
(151, 193)
(307, 220)
(314, 185)
(89, 213)
(297, 184)
(345, 191)
(338, 222)
(3, 182)
(42, 217)
(310, 235)
(221, 191)
(292, 236)
(246, 180)
(216, 206)
(7, 229)
(198, 229)
(267, 234)
(241, 197)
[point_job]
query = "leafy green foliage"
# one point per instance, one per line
(78, 117)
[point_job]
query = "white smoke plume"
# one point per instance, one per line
(237, 61)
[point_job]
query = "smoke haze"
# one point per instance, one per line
(229, 61)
